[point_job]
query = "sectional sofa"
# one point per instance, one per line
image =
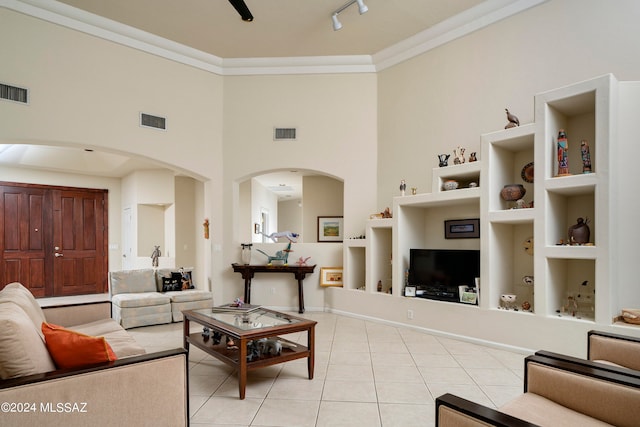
(46, 384)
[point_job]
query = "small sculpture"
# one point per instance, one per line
(563, 154)
(472, 157)
(155, 255)
(303, 261)
(443, 160)
(292, 237)
(579, 233)
(403, 187)
(386, 213)
(526, 306)
(513, 120)
(586, 157)
(508, 301)
(281, 257)
(458, 155)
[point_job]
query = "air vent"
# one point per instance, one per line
(14, 93)
(156, 122)
(284, 134)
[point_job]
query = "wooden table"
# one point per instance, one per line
(243, 328)
(248, 271)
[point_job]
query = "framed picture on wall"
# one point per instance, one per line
(330, 229)
(462, 229)
(331, 276)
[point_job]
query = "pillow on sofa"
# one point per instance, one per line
(70, 349)
(22, 349)
(23, 298)
(176, 280)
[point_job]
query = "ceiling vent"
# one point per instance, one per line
(14, 93)
(284, 134)
(155, 122)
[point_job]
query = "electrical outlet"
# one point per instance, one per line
(409, 314)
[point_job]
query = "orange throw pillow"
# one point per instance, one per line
(70, 349)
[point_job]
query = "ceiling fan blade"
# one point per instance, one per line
(242, 9)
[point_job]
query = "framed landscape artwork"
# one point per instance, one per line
(330, 229)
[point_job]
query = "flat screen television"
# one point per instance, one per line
(430, 268)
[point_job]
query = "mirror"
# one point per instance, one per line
(290, 200)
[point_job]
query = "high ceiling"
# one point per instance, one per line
(281, 28)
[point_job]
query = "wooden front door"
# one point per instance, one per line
(53, 240)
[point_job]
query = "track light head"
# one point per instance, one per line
(362, 8)
(336, 24)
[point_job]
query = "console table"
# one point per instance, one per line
(248, 271)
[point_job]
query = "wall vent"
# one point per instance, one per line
(155, 122)
(14, 93)
(284, 134)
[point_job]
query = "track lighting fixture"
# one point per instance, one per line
(362, 8)
(336, 24)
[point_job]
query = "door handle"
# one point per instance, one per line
(58, 255)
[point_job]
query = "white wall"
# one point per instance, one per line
(88, 92)
(329, 132)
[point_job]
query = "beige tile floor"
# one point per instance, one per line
(366, 374)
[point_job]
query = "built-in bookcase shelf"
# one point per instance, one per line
(524, 246)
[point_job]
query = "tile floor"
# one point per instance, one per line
(366, 374)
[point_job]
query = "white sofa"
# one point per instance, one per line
(36, 387)
(137, 298)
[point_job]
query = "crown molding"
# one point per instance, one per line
(483, 15)
(467, 22)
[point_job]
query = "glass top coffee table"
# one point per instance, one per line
(248, 337)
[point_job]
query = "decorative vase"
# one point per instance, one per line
(246, 253)
(512, 192)
(450, 185)
(579, 233)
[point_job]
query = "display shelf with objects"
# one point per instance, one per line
(575, 136)
(540, 270)
(456, 177)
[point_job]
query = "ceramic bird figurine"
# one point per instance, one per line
(513, 120)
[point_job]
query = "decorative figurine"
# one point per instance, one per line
(379, 285)
(303, 261)
(579, 233)
(508, 301)
(403, 187)
(472, 157)
(563, 154)
(526, 306)
(513, 120)
(292, 237)
(586, 157)
(281, 257)
(528, 247)
(414, 191)
(458, 155)
(205, 224)
(155, 255)
(527, 280)
(386, 213)
(443, 160)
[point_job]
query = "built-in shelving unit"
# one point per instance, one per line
(524, 246)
